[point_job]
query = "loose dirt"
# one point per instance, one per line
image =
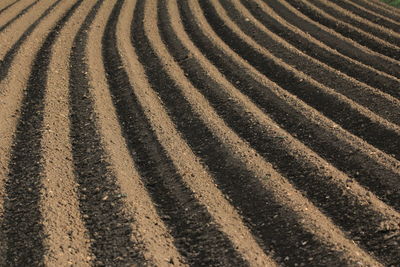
(199, 133)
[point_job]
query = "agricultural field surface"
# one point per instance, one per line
(395, 3)
(199, 133)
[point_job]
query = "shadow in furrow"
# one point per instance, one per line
(22, 218)
(20, 14)
(8, 6)
(327, 145)
(332, 40)
(99, 195)
(6, 62)
(195, 234)
(353, 121)
(342, 84)
(369, 16)
(380, 8)
(345, 209)
(273, 224)
(347, 20)
(339, 62)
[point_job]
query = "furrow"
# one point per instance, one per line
(370, 167)
(22, 223)
(342, 110)
(17, 16)
(13, 11)
(314, 48)
(10, 36)
(7, 5)
(343, 45)
(147, 226)
(379, 8)
(353, 20)
(4, 4)
(369, 15)
(199, 133)
(11, 95)
(107, 222)
(189, 166)
(384, 6)
(382, 104)
(368, 34)
(238, 170)
(340, 199)
(196, 235)
(66, 241)
(11, 53)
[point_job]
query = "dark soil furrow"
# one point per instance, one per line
(369, 15)
(385, 5)
(342, 113)
(196, 237)
(342, 63)
(265, 216)
(6, 62)
(20, 14)
(22, 218)
(8, 6)
(335, 150)
(369, 28)
(364, 37)
(199, 133)
(99, 194)
(360, 93)
(333, 40)
(385, 11)
(343, 207)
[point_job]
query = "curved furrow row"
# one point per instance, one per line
(17, 16)
(314, 48)
(251, 184)
(9, 50)
(13, 11)
(343, 111)
(340, 14)
(194, 211)
(147, 226)
(11, 95)
(15, 31)
(380, 8)
(322, 136)
(7, 5)
(345, 23)
(370, 15)
(286, 154)
(108, 223)
(195, 235)
(199, 133)
(66, 240)
(22, 224)
(382, 104)
(384, 5)
(332, 39)
(322, 73)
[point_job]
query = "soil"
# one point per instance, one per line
(199, 133)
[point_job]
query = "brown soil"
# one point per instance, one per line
(379, 8)
(199, 133)
(360, 30)
(370, 14)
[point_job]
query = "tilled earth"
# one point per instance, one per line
(199, 132)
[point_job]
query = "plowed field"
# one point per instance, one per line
(199, 133)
